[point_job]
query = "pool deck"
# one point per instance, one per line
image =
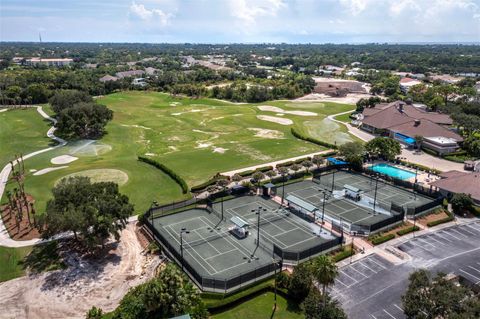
(423, 178)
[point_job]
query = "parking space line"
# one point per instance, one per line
(388, 313)
(358, 272)
(447, 233)
(436, 240)
(341, 282)
(426, 242)
(379, 264)
(360, 263)
(454, 230)
(373, 316)
(343, 273)
(465, 229)
(466, 272)
(473, 228)
(438, 234)
(474, 269)
(398, 307)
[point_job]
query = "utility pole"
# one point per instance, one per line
(257, 212)
(182, 231)
(375, 197)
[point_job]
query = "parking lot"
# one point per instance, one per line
(372, 287)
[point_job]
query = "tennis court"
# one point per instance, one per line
(215, 258)
(340, 209)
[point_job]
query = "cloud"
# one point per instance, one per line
(153, 15)
(399, 6)
(247, 11)
(355, 6)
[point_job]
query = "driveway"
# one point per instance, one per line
(372, 286)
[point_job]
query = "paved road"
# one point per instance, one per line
(372, 287)
(5, 239)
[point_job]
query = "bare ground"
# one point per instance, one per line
(71, 292)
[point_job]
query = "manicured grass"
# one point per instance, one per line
(262, 307)
(22, 131)
(344, 118)
(11, 262)
(196, 138)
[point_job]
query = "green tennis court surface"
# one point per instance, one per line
(330, 186)
(213, 256)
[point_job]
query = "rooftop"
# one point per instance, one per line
(461, 183)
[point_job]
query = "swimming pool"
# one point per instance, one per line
(392, 171)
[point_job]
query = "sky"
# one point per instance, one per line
(241, 21)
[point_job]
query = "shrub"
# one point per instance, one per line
(204, 185)
(421, 167)
(180, 181)
(475, 210)
(345, 253)
(246, 173)
(441, 221)
(304, 137)
(407, 230)
(381, 239)
(283, 280)
(264, 169)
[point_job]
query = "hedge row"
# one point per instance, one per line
(211, 181)
(304, 137)
(407, 230)
(381, 239)
(167, 171)
(441, 221)
(345, 253)
(216, 302)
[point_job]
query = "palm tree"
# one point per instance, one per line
(418, 141)
(324, 272)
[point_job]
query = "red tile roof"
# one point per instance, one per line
(466, 183)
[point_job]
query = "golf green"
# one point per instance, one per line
(195, 137)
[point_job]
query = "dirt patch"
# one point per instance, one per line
(274, 119)
(424, 220)
(87, 282)
(47, 170)
(63, 159)
(103, 175)
(23, 230)
(265, 133)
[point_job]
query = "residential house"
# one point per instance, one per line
(48, 62)
(108, 78)
(129, 74)
(403, 122)
(453, 182)
(406, 83)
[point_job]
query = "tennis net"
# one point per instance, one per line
(204, 240)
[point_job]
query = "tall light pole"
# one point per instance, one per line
(257, 212)
(323, 206)
(154, 204)
(182, 231)
(375, 196)
(275, 264)
(333, 180)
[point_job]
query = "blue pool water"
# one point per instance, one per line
(392, 171)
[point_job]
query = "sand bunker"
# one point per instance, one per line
(220, 150)
(265, 133)
(47, 170)
(203, 145)
(137, 126)
(103, 175)
(191, 111)
(87, 148)
(278, 110)
(63, 159)
(274, 119)
(3, 110)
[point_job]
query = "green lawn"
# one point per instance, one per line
(344, 118)
(195, 137)
(22, 131)
(10, 262)
(262, 307)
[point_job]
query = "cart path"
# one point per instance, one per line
(5, 239)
